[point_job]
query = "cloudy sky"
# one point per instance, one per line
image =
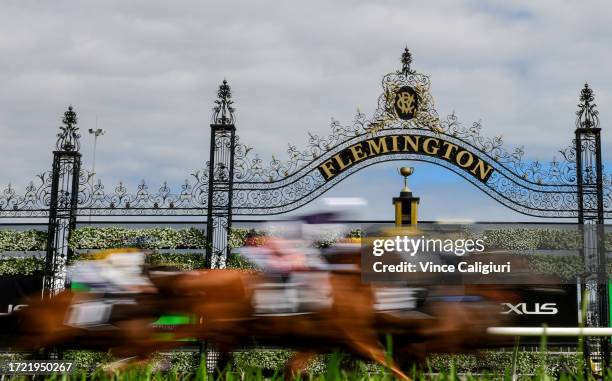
(147, 73)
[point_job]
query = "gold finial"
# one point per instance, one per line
(406, 171)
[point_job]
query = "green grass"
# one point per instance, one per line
(256, 365)
(334, 372)
(336, 367)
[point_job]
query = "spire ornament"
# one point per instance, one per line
(588, 117)
(68, 137)
(223, 112)
(406, 61)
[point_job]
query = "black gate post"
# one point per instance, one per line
(220, 179)
(589, 178)
(62, 203)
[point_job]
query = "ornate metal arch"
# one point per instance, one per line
(528, 187)
(527, 192)
(279, 186)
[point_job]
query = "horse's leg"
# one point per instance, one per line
(367, 345)
(354, 317)
(297, 364)
(137, 338)
(224, 361)
(411, 355)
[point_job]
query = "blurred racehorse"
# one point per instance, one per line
(223, 306)
(454, 318)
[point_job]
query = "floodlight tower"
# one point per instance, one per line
(96, 133)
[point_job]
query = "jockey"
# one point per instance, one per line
(112, 280)
(290, 248)
(111, 271)
(283, 256)
(297, 276)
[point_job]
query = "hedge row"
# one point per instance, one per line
(161, 239)
(21, 266)
(88, 238)
(156, 238)
(565, 267)
(536, 239)
(28, 240)
(192, 238)
(494, 362)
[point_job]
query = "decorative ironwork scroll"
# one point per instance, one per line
(96, 200)
(531, 188)
(405, 107)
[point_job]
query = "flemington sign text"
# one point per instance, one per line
(406, 143)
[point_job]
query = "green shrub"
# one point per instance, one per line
(161, 239)
(21, 265)
(156, 238)
(237, 261)
(181, 261)
(567, 267)
(238, 236)
(180, 363)
(512, 239)
(27, 240)
(261, 359)
(490, 362)
(87, 360)
(559, 239)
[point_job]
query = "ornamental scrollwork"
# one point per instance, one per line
(530, 187)
(191, 199)
(278, 185)
(68, 137)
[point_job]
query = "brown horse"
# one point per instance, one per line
(223, 303)
(447, 323)
(130, 332)
(453, 319)
(227, 317)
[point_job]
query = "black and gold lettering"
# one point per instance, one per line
(377, 147)
(465, 163)
(327, 169)
(412, 141)
(341, 163)
(423, 145)
(431, 146)
(482, 170)
(450, 147)
(357, 152)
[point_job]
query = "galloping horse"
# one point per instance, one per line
(126, 320)
(223, 305)
(227, 317)
(226, 308)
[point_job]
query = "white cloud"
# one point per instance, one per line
(148, 70)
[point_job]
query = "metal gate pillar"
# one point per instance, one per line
(62, 203)
(589, 179)
(220, 179)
